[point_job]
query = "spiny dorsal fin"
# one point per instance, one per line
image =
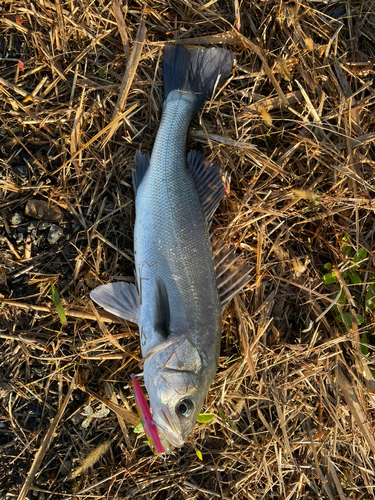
(210, 180)
(120, 299)
(162, 315)
(232, 271)
(140, 166)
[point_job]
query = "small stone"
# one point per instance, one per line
(19, 239)
(65, 467)
(31, 227)
(16, 219)
(54, 234)
(32, 422)
(39, 372)
(40, 209)
(77, 419)
(4, 389)
(21, 171)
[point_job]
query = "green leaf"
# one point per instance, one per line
(369, 301)
(204, 418)
(139, 429)
(364, 342)
(58, 305)
(225, 418)
(348, 318)
(329, 278)
(102, 73)
(360, 255)
(328, 266)
(346, 248)
(354, 277)
(231, 359)
(342, 298)
(199, 454)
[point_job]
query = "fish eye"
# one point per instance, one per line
(184, 407)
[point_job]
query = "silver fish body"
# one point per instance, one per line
(173, 250)
(171, 240)
(182, 278)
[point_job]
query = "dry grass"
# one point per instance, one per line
(294, 125)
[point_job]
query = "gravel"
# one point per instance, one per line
(21, 171)
(32, 227)
(54, 234)
(16, 219)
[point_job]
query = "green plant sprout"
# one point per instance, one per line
(353, 276)
(312, 203)
(58, 305)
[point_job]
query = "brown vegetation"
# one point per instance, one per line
(80, 92)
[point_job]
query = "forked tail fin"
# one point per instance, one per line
(196, 72)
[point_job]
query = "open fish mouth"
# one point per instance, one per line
(168, 436)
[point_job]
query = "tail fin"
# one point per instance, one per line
(195, 72)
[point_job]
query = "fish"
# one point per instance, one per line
(184, 275)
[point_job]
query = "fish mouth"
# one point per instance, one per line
(168, 435)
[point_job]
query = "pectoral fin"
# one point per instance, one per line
(210, 181)
(140, 166)
(162, 313)
(120, 299)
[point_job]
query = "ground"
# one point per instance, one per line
(293, 399)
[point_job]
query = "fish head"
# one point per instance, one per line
(177, 383)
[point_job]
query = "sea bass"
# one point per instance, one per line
(183, 277)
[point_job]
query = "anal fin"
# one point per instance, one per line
(211, 182)
(120, 299)
(232, 271)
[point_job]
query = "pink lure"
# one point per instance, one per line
(149, 425)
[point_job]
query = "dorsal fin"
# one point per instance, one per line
(140, 166)
(162, 315)
(210, 181)
(232, 271)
